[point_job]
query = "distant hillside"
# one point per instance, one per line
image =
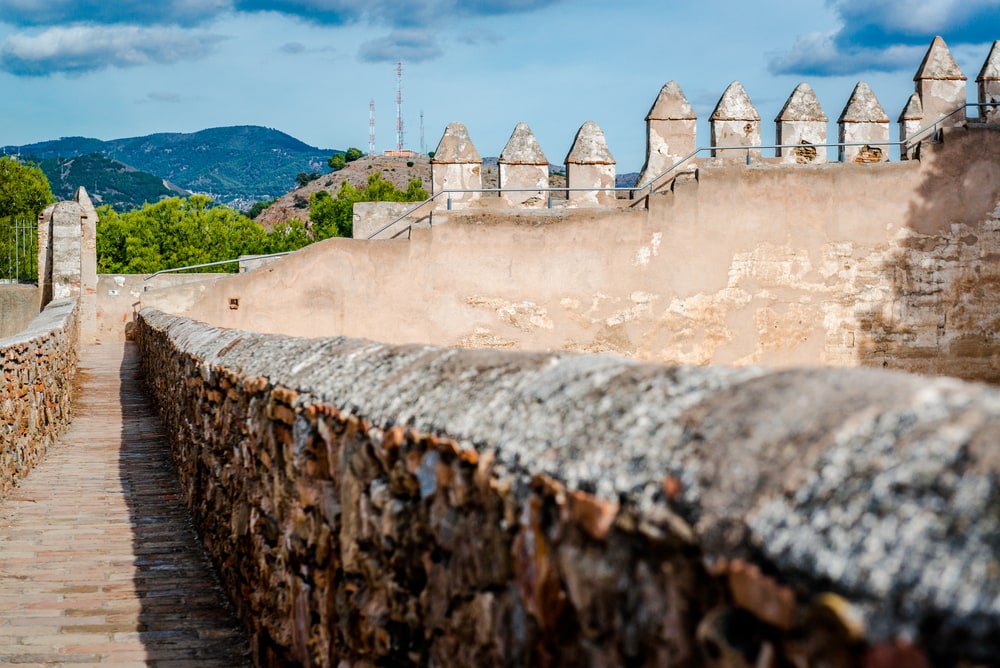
(107, 181)
(398, 171)
(235, 165)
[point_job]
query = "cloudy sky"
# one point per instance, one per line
(107, 69)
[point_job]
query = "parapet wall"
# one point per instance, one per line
(381, 505)
(39, 365)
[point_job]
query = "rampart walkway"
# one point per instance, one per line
(99, 562)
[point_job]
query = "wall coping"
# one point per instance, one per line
(846, 479)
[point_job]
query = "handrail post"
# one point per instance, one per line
(449, 201)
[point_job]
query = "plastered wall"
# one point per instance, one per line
(885, 265)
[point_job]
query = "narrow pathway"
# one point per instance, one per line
(99, 562)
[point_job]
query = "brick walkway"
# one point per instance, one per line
(99, 562)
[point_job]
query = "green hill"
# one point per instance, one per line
(235, 165)
(107, 181)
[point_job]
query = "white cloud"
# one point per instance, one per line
(85, 48)
(410, 45)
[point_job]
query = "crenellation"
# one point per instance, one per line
(988, 84)
(671, 127)
(735, 122)
(940, 84)
(523, 165)
(801, 121)
(863, 122)
(590, 165)
(911, 121)
(457, 165)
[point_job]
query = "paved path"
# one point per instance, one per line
(99, 562)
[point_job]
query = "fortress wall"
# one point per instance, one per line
(39, 365)
(119, 296)
(415, 505)
(887, 265)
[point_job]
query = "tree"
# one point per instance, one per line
(334, 216)
(179, 232)
(259, 207)
(24, 192)
(353, 154)
(337, 161)
(302, 178)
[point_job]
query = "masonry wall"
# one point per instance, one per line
(884, 265)
(381, 505)
(39, 365)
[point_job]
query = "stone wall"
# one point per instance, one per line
(885, 265)
(39, 365)
(375, 505)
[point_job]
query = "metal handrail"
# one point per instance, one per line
(901, 143)
(651, 183)
(214, 264)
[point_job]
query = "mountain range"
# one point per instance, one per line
(234, 165)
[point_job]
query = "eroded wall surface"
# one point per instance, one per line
(886, 265)
(382, 505)
(39, 364)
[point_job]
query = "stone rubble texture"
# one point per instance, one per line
(369, 504)
(39, 365)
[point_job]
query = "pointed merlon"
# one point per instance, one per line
(590, 147)
(913, 111)
(671, 105)
(802, 105)
(735, 105)
(863, 107)
(83, 199)
(456, 147)
(991, 68)
(938, 63)
(522, 148)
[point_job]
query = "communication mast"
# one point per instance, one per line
(423, 147)
(371, 127)
(399, 105)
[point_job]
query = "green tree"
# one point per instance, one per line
(179, 232)
(24, 192)
(334, 216)
(302, 178)
(353, 154)
(259, 208)
(337, 162)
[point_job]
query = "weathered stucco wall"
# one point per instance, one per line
(381, 505)
(18, 307)
(888, 265)
(39, 364)
(120, 295)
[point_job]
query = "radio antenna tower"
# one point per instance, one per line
(423, 147)
(399, 105)
(371, 127)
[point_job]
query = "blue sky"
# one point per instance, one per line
(309, 67)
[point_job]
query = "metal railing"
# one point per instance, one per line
(650, 185)
(18, 249)
(218, 263)
(904, 145)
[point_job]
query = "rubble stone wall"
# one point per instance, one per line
(369, 504)
(39, 365)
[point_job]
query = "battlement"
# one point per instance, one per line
(735, 127)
